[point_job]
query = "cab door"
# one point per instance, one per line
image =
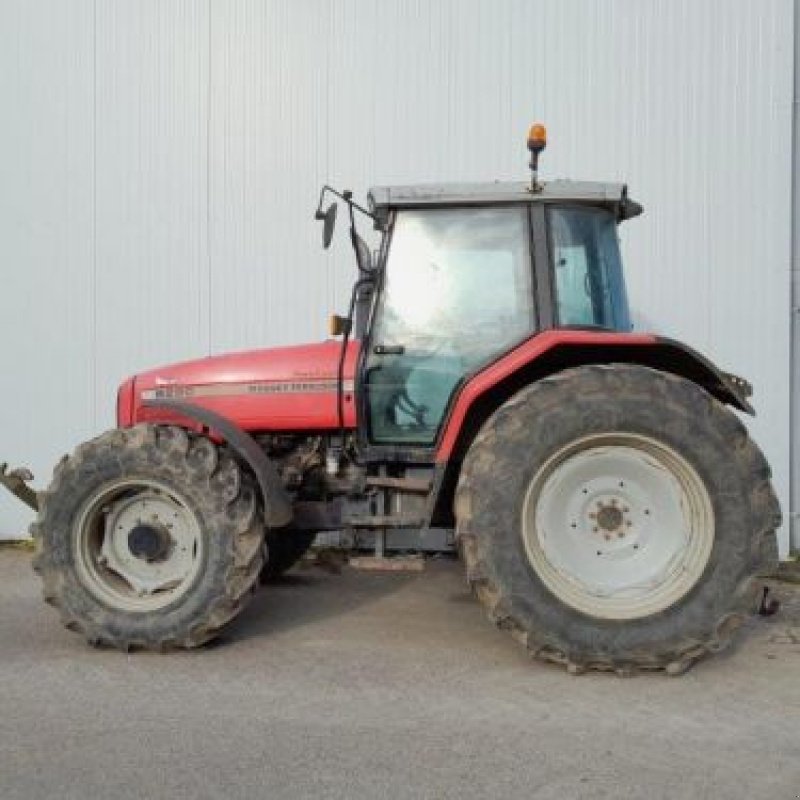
(456, 293)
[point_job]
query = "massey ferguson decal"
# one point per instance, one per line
(237, 389)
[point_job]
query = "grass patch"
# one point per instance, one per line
(17, 544)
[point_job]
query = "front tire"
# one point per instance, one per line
(615, 517)
(148, 537)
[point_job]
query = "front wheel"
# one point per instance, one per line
(148, 537)
(615, 517)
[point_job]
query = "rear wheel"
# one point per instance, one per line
(615, 517)
(148, 538)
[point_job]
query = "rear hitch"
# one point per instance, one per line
(16, 481)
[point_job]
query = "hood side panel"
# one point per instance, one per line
(278, 389)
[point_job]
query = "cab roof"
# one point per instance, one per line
(613, 196)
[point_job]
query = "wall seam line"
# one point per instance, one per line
(94, 219)
(794, 324)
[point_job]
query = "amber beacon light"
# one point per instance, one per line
(537, 141)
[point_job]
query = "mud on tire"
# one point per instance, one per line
(549, 415)
(217, 495)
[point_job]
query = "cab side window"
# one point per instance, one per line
(457, 293)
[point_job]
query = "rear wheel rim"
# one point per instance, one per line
(618, 526)
(137, 545)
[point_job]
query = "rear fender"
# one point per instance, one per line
(277, 505)
(551, 352)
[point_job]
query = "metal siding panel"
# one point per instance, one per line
(46, 211)
(794, 471)
(267, 160)
(151, 277)
(235, 113)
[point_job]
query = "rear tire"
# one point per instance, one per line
(148, 537)
(527, 548)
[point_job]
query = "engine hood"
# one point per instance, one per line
(281, 388)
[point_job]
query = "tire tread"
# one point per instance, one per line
(200, 458)
(603, 381)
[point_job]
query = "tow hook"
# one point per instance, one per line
(16, 481)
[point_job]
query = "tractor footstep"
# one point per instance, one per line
(388, 564)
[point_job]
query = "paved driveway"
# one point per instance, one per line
(357, 685)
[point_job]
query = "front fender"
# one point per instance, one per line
(277, 505)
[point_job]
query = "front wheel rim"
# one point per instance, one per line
(618, 525)
(137, 545)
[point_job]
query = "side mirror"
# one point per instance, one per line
(328, 218)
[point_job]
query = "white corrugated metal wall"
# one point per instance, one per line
(160, 161)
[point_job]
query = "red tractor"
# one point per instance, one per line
(609, 507)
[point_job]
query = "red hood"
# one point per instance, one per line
(270, 364)
(281, 388)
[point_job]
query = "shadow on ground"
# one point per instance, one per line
(308, 595)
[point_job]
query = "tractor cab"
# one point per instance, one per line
(469, 272)
(464, 275)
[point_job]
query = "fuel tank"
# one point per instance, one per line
(276, 389)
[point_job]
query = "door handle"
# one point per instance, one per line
(389, 349)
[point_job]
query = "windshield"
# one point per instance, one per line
(590, 290)
(458, 276)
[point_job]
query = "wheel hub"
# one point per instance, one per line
(609, 517)
(149, 542)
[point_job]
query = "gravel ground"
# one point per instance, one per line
(359, 685)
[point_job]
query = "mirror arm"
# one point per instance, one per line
(347, 197)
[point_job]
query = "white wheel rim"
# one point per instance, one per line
(107, 563)
(618, 526)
